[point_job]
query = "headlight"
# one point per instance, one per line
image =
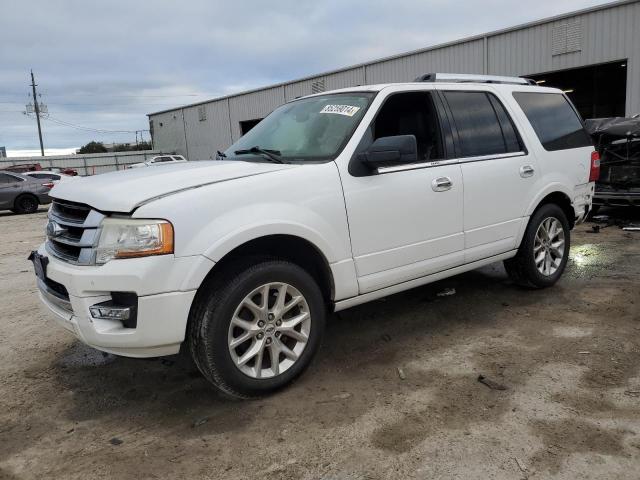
(126, 238)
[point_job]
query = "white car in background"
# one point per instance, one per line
(159, 160)
(54, 177)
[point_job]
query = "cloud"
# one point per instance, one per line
(104, 65)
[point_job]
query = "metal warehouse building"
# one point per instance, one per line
(592, 54)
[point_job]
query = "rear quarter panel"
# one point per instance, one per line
(565, 171)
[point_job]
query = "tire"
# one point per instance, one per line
(25, 203)
(212, 337)
(522, 268)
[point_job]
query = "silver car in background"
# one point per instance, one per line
(23, 194)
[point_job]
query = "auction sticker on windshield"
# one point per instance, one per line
(347, 110)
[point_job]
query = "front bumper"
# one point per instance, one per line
(165, 286)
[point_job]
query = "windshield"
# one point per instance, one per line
(315, 128)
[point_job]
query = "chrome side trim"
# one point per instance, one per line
(53, 297)
(491, 157)
(437, 163)
(414, 166)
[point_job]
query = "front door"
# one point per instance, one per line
(406, 221)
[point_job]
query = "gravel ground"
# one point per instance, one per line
(568, 356)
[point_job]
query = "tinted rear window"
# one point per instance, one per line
(554, 120)
(483, 126)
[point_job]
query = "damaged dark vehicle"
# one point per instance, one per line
(617, 140)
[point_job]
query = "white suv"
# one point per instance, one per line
(331, 201)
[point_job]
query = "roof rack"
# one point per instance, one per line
(471, 78)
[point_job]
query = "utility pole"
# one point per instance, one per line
(37, 109)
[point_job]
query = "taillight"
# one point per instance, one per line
(48, 184)
(594, 173)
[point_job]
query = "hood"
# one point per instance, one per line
(124, 190)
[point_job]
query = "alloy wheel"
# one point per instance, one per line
(548, 246)
(269, 330)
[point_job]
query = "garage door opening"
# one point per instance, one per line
(597, 90)
(248, 125)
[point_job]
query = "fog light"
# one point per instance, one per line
(123, 306)
(110, 311)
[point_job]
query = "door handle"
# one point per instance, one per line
(441, 184)
(526, 171)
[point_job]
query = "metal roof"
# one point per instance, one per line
(493, 33)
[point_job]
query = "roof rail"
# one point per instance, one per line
(472, 78)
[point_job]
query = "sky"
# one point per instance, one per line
(105, 65)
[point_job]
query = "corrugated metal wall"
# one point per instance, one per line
(600, 35)
(168, 132)
(86, 164)
(252, 106)
(209, 132)
(466, 57)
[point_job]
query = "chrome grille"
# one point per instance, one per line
(73, 231)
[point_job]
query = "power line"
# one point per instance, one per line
(89, 129)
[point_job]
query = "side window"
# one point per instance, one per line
(411, 113)
(511, 138)
(4, 178)
(483, 125)
(554, 120)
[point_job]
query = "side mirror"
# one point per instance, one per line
(386, 150)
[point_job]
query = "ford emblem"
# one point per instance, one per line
(55, 229)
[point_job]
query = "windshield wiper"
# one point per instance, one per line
(220, 155)
(272, 155)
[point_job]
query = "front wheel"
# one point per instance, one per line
(255, 327)
(543, 253)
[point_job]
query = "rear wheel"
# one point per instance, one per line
(25, 203)
(543, 253)
(256, 327)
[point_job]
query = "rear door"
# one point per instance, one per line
(499, 173)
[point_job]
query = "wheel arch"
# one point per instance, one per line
(563, 201)
(558, 196)
(289, 247)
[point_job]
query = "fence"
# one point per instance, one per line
(86, 164)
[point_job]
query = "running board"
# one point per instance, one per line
(400, 287)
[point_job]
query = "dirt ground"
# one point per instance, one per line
(568, 356)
